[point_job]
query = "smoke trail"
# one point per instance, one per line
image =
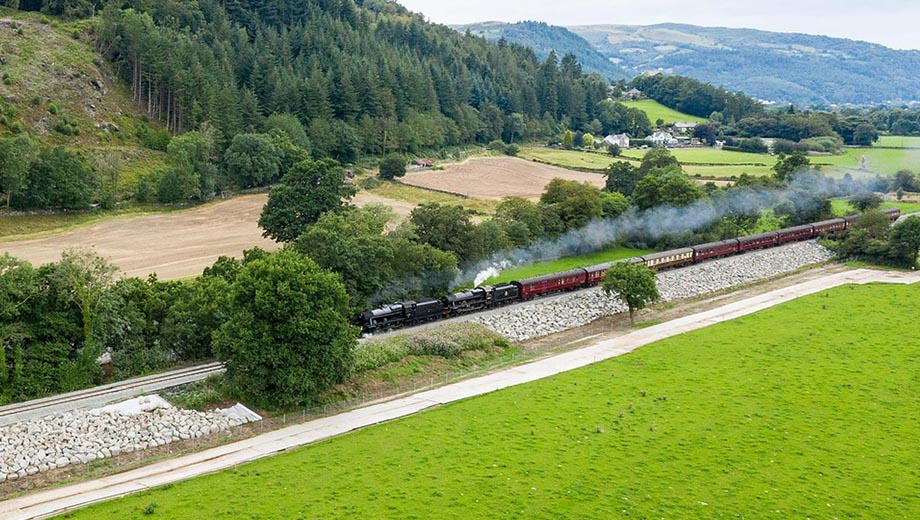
(804, 188)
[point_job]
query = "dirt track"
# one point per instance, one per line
(494, 178)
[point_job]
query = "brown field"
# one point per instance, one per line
(494, 178)
(172, 245)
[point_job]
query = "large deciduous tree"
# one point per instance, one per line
(633, 283)
(252, 160)
(288, 337)
(310, 189)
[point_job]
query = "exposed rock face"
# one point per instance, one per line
(525, 322)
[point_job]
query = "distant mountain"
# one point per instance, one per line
(780, 67)
(543, 38)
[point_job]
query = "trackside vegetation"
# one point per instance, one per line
(748, 418)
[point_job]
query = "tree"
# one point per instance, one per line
(252, 160)
(568, 140)
(288, 337)
(576, 203)
(16, 157)
(904, 242)
(633, 283)
(865, 135)
(290, 126)
(17, 287)
(614, 150)
(392, 166)
(865, 201)
(622, 177)
(787, 166)
(518, 210)
(310, 189)
(614, 204)
(444, 227)
(706, 133)
(57, 179)
(352, 245)
(670, 187)
(88, 277)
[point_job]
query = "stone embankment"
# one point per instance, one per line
(573, 310)
(81, 437)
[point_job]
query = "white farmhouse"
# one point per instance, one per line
(661, 138)
(621, 140)
(684, 128)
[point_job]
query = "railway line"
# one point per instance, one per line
(102, 395)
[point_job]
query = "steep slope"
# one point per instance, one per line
(781, 67)
(56, 88)
(543, 38)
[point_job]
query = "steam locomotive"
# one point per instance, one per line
(407, 313)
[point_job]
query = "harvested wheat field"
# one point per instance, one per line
(494, 178)
(172, 245)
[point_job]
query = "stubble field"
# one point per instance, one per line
(494, 178)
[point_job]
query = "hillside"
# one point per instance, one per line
(543, 38)
(780, 67)
(57, 88)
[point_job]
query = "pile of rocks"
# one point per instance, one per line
(523, 322)
(80, 437)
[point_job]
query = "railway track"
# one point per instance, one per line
(101, 395)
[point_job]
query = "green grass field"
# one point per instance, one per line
(899, 141)
(569, 158)
(806, 410)
(565, 264)
(725, 164)
(655, 111)
(841, 207)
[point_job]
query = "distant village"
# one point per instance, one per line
(676, 135)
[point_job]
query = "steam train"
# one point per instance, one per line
(407, 313)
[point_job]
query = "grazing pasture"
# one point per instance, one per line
(805, 410)
(655, 111)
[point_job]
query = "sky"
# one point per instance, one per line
(892, 23)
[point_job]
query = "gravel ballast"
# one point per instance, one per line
(525, 322)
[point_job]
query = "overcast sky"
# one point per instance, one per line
(893, 23)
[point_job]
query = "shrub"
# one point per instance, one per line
(66, 126)
(75, 34)
(16, 127)
(154, 139)
(392, 166)
(446, 341)
(52, 108)
(370, 183)
(37, 100)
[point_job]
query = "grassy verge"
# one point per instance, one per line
(564, 264)
(749, 418)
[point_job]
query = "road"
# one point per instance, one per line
(49, 502)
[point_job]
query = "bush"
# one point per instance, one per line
(52, 108)
(446, 341)
(66, 126)
(512, 150)
(392, 166)
(370, 183)
(154, 139)
(37, 100)
(16, 127)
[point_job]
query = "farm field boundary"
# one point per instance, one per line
(58, 500)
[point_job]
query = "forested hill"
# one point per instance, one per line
(543, 39)
(782, 67)
(364, 78)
